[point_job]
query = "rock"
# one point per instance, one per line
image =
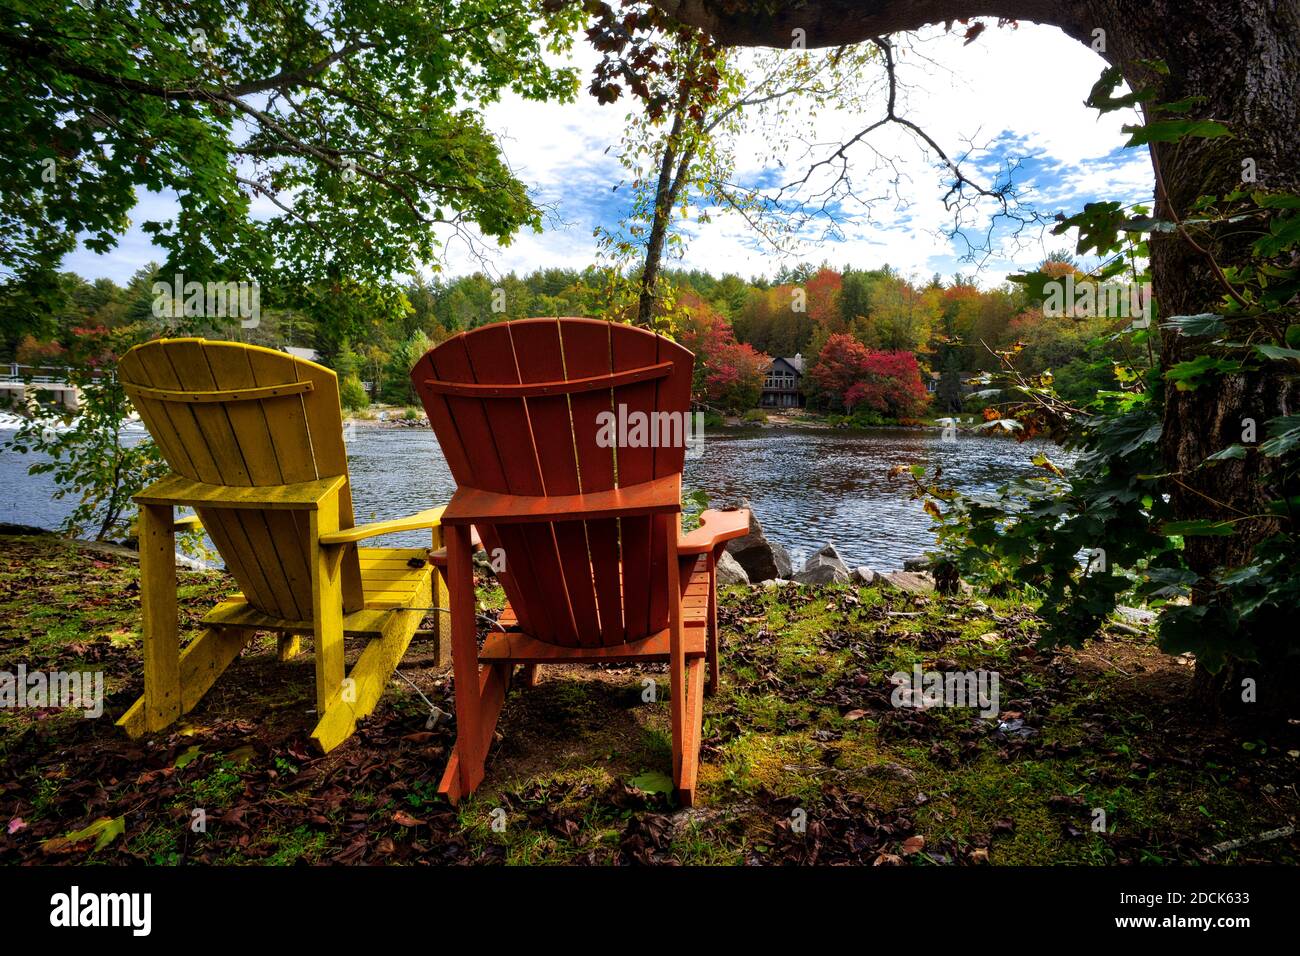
(826, 556)
(753, 552)
(863, 575)
(916, 582)
(824, 567)
(186, 563)
(730, 571)
(822, 574)
(916, 564)
(774, 582)
(784, 567)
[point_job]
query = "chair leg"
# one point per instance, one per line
(528, 675)
(159, 625)
(692, 717)
(711, 640)
(326, 606)
(492, 683)
(201, 663)
(287, 647)
(479, 692)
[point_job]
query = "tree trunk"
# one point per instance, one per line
(1243, 57)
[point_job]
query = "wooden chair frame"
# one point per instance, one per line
(255, 441)
(513, 405)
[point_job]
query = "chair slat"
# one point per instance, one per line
(492, 357)
(540, 357)
(587, 353)
(470, 432)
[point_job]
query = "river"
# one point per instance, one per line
(808, 486)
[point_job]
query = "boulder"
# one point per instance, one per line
(826, 556)
(917, 582)
(784, 567)
(753, 552)
(863, 575)
(916, 564)
(824, 567)
(730, 571)
(822, 574)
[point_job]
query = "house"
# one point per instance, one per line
(781, 384)
(310, 355)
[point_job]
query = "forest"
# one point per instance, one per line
(853, 326)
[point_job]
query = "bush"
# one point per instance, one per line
(353, 394)
(755, 415)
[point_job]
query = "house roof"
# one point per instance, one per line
(795, 362)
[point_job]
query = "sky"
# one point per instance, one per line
(1019, 92)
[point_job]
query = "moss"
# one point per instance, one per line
(803, 720)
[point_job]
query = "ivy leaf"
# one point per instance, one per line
(1203, 323)
(1171, 131)
(1191, 375)
(1231, 452)
(1284, 436)
(1277, 352)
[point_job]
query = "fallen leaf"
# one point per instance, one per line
(402, 818)
(16, 824)
(855, 715)
(913, 844)
(104, 830)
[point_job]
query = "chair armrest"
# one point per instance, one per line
(474, 506)
(188, 523)
(438, 556)
(715, 528)
(301, 496)
(425, 519)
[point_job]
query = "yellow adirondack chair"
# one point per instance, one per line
(254, 439)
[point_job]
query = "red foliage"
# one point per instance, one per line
(728, 374)
(823, 291)
(887, 382)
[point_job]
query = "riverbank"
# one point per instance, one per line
(804, 721)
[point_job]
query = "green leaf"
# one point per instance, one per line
(1284, 435)
(1190, 375)
(1232, 451)
(1277, 352)
(1171, 131)
(188, 757)
(1203, 323)
(104, 831)
(652, 781)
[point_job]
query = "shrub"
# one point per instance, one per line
(353, 394)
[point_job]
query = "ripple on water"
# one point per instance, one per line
(808, 486)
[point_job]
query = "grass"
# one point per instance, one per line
(1093, 758)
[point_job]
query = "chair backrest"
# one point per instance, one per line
(573, 583)
(282, 424)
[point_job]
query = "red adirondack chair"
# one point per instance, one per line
(587, 530)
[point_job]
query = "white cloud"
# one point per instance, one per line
(1025, 85)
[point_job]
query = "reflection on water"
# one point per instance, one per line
(808, 486)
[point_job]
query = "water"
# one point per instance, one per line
(808, 486)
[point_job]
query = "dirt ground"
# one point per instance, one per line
(1094, 756)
